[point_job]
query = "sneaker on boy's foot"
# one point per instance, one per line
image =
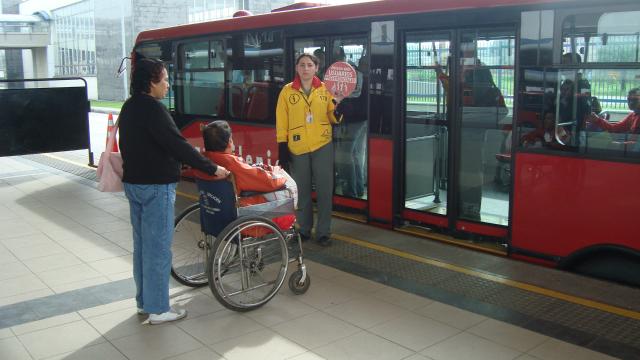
(170, 315)
(141, 311)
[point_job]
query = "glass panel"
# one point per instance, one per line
(486, 98)
(169, 100)
(601, 37)
(194, 56)
(256, 76)
(426, 123)
(350, 137)
(217, 55)
(249, 95)
(615, 131)
(202, 92)
(564, 116)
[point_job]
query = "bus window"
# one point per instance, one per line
(200, 78)
(615, 100)
(160, 51)
(551, 109)
(560, 120)
(256, 76)
(610, 37)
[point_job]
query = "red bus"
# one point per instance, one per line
(468, 124)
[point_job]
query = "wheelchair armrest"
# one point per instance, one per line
(254, 193)
(250, 193)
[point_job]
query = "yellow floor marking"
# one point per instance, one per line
(188, 196)
(69, 161)
(498, 279)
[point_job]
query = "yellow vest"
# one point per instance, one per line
(305, 122)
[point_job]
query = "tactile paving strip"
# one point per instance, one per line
(87, 173)
(594, 325)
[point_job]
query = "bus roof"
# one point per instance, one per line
(324, 13)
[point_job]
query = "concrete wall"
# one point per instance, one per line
(111, 17)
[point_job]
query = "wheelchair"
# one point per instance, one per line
(237, 250)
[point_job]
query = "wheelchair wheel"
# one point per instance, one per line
(189, 249)
(248, 263)
(294, 283)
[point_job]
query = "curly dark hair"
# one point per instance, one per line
(145, 71)
(216, 135)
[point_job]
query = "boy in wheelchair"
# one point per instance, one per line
(269, 182)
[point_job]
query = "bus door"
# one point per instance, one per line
(484, 113)
(426, 123)
(457, 123)
(350, 137)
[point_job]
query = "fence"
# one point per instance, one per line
(424, 90)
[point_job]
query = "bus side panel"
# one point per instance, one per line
(563, 204)
(193, 134)
(380, 181)
(255, 144)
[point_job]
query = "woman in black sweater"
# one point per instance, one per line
(152, 149)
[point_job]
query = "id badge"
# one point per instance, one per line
(309, 118)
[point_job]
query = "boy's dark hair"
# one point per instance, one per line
(216, 135)
(145, 71)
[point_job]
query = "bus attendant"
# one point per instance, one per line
(152, 148)
(305, 113)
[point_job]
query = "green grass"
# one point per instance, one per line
(107, 104)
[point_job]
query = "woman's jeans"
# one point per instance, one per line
(152, 211)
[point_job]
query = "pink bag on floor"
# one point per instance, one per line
(110, 166)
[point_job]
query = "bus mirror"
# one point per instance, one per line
(122, 67)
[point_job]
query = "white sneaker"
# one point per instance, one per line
(171, 315)
(141, 311)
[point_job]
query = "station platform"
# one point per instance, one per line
(66, 292)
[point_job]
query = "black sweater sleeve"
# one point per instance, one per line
(167, 135)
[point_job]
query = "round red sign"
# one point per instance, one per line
(340, 79)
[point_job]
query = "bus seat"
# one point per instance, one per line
(237, 101)
(257, 104)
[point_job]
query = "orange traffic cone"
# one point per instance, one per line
(110, 128)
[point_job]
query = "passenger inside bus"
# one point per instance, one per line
(547, 135)
(629, 125)
(262, 178)
(319, 53)
(574, 105)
